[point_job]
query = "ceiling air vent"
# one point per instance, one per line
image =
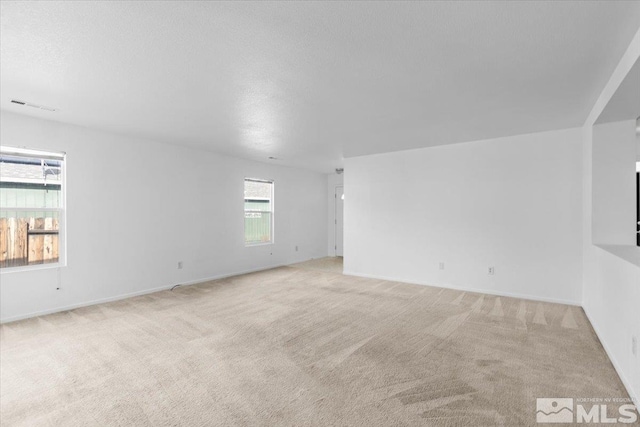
(30, 104)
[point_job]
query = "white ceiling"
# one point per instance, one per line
(625, 103)
(312, 82)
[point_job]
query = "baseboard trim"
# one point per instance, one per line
(133, 294)
(82, 304)
(614, 362)
(467, 289)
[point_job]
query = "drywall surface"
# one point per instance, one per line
(333, 180)
(513, 204)
(611, 290)
(135, 208)
(614, 183)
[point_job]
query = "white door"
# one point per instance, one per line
(339, 219)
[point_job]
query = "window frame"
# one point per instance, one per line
(62, 210)
(271, 212)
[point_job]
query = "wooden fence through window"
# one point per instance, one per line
(27, 241)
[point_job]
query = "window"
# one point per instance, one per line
(258, 211)
(31, 207)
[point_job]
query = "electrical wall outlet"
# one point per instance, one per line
(296, 249)
(492, 271)
(634, 346)
(179, 265)
(441, 265)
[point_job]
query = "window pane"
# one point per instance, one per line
(30, 182)
(30, 169)
(257, 205)
(257, 195)
(28, 238)
(257, 227)
(19, 195)
(258, 211)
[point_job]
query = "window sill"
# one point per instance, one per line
(26, 268)
(253, 245)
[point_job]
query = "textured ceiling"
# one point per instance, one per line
(312, 82)
(625, 103)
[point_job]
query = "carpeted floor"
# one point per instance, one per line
(300, 346)
(328, 264)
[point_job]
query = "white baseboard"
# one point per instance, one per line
(614, 362)
(131, 294)
(83, 304)
(467, 289)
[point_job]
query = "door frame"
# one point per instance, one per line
(335, 220)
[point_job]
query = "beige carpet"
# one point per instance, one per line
(329, 264)
(295, 347)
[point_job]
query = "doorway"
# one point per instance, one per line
(339, 215)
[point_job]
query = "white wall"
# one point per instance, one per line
(333, 180)
(511, 203)
(611, 290)
(136, 207)
(614, 183)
